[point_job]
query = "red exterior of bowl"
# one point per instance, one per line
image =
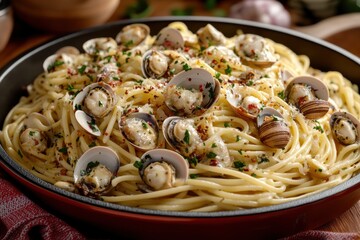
(131, 223)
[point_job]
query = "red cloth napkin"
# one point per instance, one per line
(323, 235)
(22, 219)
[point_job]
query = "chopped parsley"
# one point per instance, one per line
(144, 125)
(70, 88)
(89, 168)
(250, 83)
(186, 67)
(238, 138)
(263, 159)
(138, 164)
(226, 124)
(194, 176)
(193, 161)
(211, 155)
(228, 70)
(281, 95)
(57, 63)
(318, 127)
(187, 137)
(81, 70)
(63, 150)
(239, 165)
(213, 145)
(129, 43)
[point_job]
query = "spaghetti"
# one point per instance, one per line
(254, 175)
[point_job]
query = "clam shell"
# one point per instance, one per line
(100, 46)
(320, 89)
(210, 36)
(162, 62)
(200, 80)
(85, 118)
(275, 134)
(135, 33)
(149, 119)
(104, 155)
(173, 158)
(78, 100)
(71, 50)
(346, 116)
(314, 109)
(264, 54)
(51, 60)
(169, 38)
(233, 99)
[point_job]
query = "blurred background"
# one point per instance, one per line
(26, 23)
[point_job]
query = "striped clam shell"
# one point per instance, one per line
(275, 134)
(314, 109)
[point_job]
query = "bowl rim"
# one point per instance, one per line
(353, 182)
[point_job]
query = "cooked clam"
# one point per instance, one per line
(57, 61)
(216, 153)
(94, 171)
(133, 35)
(141, 130)
(221, 58)
(210, 36)
(242, 102)
(254, 50)
(154, 64)
(169, 38)
(100, 46)
(93, 102)
(181, 135)
(163, 168)
(310, 95)
(192, 92)
(109, 72)
(34, 139)
(345, 127)
(273, 130)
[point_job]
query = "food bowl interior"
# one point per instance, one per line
(22, 71)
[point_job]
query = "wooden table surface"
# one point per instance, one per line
(25, 37)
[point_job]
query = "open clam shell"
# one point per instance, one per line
(102, 46)
(169, 38)
(154, 64)
(163, 168)
(254, 50)
(94, 101)
(310, 95)
(243, 103)
(95, 169)
(192, 92)
(273, 130)
(57, 60)
(345, 127)
(141, 130)
(181, 134)
(133, 35)
(210, 36)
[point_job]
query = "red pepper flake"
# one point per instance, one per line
(63, 171)
(201, 88)
(214, 162)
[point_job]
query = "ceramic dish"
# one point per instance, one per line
(266, 222)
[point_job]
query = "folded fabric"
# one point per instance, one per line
(323, 235)
(22, 219)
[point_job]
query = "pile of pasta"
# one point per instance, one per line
(258, 175)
